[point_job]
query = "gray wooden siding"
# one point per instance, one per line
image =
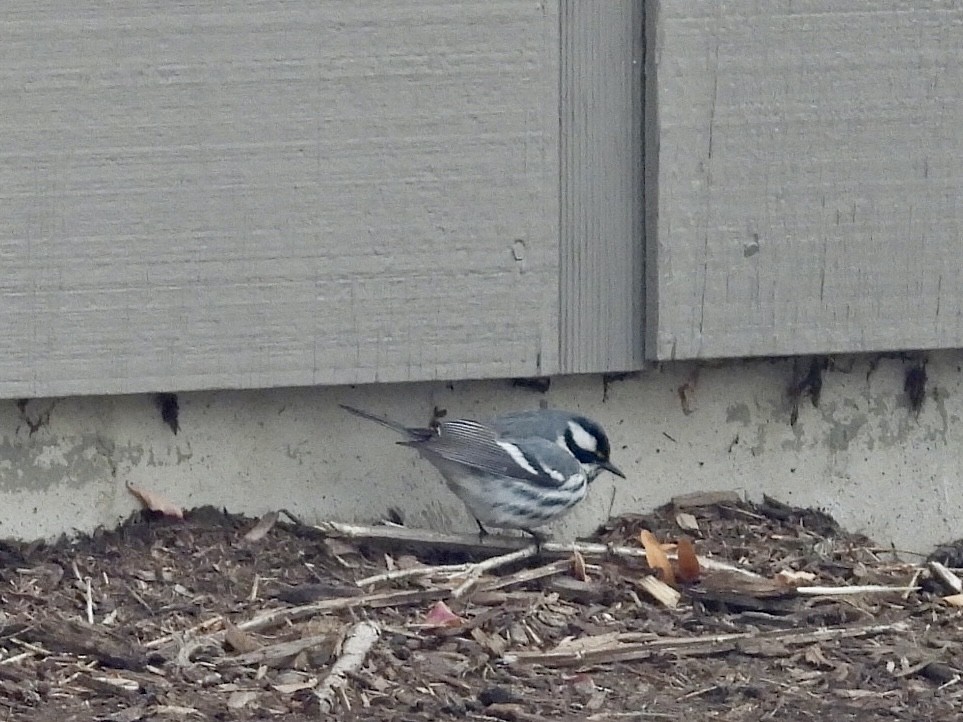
(262, 194)
(601, 186)
(805, 166)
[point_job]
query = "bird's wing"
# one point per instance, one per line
(472, 444)
(522, 424)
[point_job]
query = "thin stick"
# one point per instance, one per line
(582, 652)
(90, 601)
(916, 577)
(34, 648)
(494, 543)
(844, 591)
(394, 574)
(277, 617)
(17, 657)
(527, 575)
(356, 646)
(489, 564)
(190, 631)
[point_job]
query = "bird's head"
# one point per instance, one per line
(588, 443)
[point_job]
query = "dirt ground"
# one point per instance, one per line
(202, 618)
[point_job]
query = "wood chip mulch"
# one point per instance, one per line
(216, 616)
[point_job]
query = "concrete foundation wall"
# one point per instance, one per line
(863, 454)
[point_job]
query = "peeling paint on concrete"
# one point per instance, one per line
(862, 454)
(843, 423)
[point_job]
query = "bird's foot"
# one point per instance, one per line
(482, 532)
(538, 537)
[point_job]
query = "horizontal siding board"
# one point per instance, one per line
(270, 194)
(805, 175)
(601, 186)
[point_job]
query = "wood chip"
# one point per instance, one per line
(238, 640)
(687, 521)
(155, 502)
(689, 569)
(292, 687)
(263, 526)
(660, 591)
(578, 566)
(510, 712)
(357, 644)
(241, 699)
(949, 579)
(656, 557)
(573, 590)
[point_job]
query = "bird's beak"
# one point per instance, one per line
(609, 466)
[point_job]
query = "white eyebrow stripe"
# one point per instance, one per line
(582, 438)
(518, 457)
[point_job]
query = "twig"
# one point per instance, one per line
(356, 646)
(586, 651)
(277, 617)
(18, 657)
(916, 577)
(140, 599)
(527, 575)
(109, 687)
(858, 589)
(296, 520)
(494, 544)
(90, 601)
(395, 574)
(393, 533)
(168, 638)
(476, 570)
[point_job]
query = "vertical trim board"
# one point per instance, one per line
(601, 246)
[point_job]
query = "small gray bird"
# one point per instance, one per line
(519, 470)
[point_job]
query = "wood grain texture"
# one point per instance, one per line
(601, 186)
(803, 186)
(276, 193)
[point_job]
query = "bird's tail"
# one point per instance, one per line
(400, 428)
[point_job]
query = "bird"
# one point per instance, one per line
(519, 470)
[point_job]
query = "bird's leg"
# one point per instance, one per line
(482, 531)
(538, 537)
